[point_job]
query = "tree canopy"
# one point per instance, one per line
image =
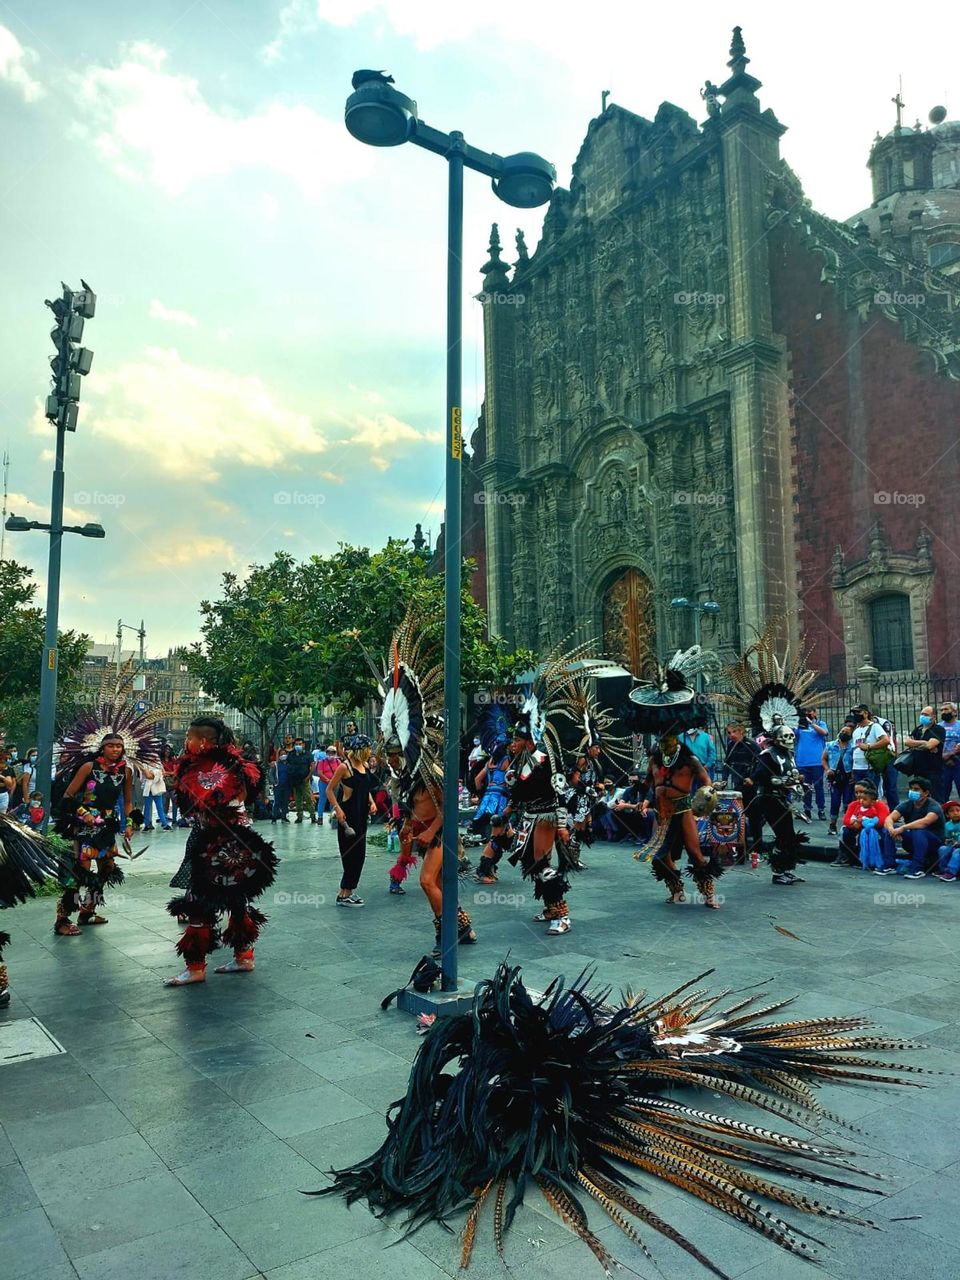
(21, 649)
(292, 634)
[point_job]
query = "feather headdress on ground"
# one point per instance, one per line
(666, 699)
(114, 712)
(411, 687)
(770, 689)
(568, 1091)
(559, 692)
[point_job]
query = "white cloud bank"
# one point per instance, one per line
(15, 62)
(172, 315)
(147, 121)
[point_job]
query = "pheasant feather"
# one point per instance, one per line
(564, 1092)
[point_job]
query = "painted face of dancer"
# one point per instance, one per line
(669, 743)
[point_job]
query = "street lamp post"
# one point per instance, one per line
(381, 116)
(69, 365)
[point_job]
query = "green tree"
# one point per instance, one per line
(298, 634)
(21, 648)
(252, 656)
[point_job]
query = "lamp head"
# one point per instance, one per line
(526, 180)
(92, 530)
(679, 602)
(17, 524)
(380, 115)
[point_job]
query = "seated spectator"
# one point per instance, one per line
(949, 852)
(864, 813)
(630, 812)
(918, 825)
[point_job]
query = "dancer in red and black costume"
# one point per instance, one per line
(227, 864)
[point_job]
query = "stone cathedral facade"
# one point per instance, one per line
(697, 385)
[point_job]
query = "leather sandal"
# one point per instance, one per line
(92, 919)
(66, 929)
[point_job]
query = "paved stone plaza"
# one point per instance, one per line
(173, 1137)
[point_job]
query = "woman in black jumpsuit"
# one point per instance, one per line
(353, 811)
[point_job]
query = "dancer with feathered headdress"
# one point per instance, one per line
(98, 756)
(557, 693)
(575, 1095)
(665, 704)
(227, 865)
(769, 694)
(411, 725)
(27, 861)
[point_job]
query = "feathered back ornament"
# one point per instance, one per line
(582, 1097)
(666, 698)
(769, 689)
(412, 690)
(114, 713)
(494, 727)
(559, 692)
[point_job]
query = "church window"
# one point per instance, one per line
(891, 632)
(944, 253)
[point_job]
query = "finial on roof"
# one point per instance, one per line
(738, 52)
(494, 270)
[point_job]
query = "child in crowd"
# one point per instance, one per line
(865, 814)
(949, 854)
(32, 812)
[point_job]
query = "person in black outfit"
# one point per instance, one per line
(354, 810)
(739, 763)
(776, 779)
(926, 742)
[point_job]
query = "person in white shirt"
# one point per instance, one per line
(154, 789)
(867, 734)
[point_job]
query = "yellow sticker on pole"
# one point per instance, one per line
(51, 659)
(456, 434)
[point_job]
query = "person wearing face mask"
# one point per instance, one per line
(918, 825)
(868, 735)
(298, 779)
(837, 763)
(26, 778)
(951, 749)
(926, 742)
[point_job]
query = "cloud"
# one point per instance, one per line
(190, 548)
(384, 435)
(147, 121)
(19, 504)
(159, 312)
(14, 63)
(190, 420)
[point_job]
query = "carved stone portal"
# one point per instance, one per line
(629, 633)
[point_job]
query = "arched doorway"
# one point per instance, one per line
(629, 626)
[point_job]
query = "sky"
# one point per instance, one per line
(269, 342)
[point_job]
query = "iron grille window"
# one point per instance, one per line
(890, 633)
